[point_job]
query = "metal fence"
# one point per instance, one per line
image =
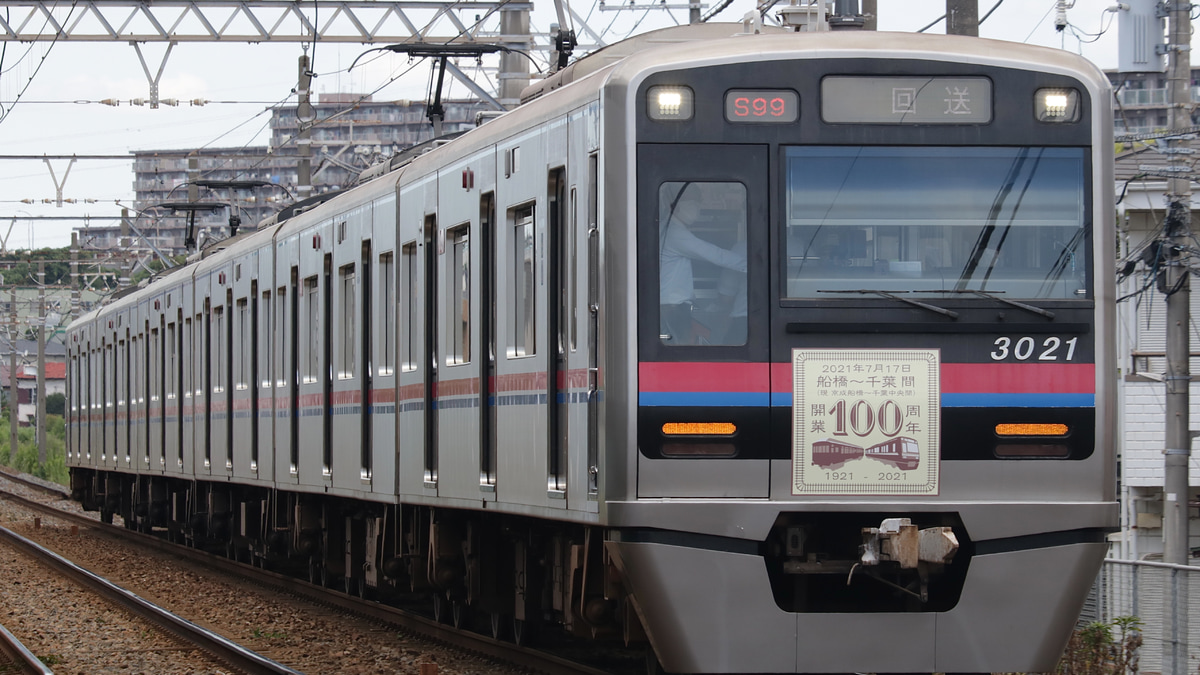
(1146, 590)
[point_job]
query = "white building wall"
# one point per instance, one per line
(1144, 430)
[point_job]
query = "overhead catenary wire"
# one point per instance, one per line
(1040, 22)
(5, 112)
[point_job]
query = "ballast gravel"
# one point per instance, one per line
(81, 633)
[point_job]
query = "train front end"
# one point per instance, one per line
(869, 423)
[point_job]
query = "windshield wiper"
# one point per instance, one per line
(891, 295)
(993, 296)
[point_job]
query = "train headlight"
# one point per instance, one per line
(666, 103)
(1057, 105)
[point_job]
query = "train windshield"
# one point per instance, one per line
(936, 220)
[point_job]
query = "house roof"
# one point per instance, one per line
(54, 348)
(54, 371)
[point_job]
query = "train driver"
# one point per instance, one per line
(678, 248)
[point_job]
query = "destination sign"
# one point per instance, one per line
(906, 100)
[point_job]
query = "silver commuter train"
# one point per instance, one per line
(456, 377)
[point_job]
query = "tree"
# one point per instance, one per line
(56, 404)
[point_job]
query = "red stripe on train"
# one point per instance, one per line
(956, 378)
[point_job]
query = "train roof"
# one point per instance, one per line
(664, 54)
(619, 51)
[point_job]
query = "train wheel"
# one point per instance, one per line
(355, 586)
(524, 632)
(106, 516)
(314, 572)
(458, 614)
(497, 625)
(441, 612)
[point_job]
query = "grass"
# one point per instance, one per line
(1103, 648)
(26, 460)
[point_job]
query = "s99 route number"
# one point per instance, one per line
(1027, 349)
(762, 105)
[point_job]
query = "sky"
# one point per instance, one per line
(50, 95)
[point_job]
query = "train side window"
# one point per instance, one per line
(243, 344)
(522, 279)
(348, 327)
(312, 308)
(387, 299)
(218, 354)
(154, 365)
(572, 289)
(190, 348)
(133, 365)
(202, 365)
(281, 296)
(170, 374)
(411, 301)
(458, 281)
(267, 344)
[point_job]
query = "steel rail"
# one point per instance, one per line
(231, 653)
(57, 491)
(27, 661)
(475, 643)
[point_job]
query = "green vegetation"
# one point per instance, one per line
(55, 468)
(19, 268)
(154, 266)
(56, 404)
(1097, 650)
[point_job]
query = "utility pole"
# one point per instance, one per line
(962, 17)
(514, 68)
(14, 397)
(304, 120)
(870, 12)
(75, 279)
(41, 366)
(126, 254)
(193, 196)
(1175, 282)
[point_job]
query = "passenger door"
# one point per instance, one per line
(703, 342)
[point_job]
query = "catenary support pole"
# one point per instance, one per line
(41, 365)
(1176, 283)
(76, 280)
(304, 120)
(514, 68)
(14, 395)
(962, 17)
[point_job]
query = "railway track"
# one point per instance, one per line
(227, 651)
(15, 658)
(41, 486)
(481, 645)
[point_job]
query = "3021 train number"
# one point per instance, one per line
(1026, 349)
